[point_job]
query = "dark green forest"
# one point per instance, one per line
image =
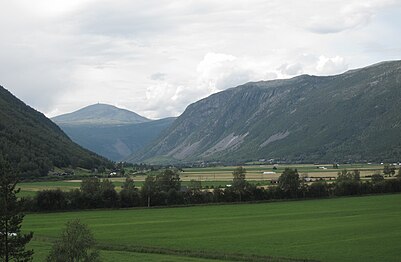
(34, 145)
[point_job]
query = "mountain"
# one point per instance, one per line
(34, 144)
(100, 114)
(354, 116)
(116, 142)
(110, 131)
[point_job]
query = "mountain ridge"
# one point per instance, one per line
(345, 117)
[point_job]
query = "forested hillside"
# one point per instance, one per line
(34, 144)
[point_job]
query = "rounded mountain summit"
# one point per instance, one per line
(100, 114)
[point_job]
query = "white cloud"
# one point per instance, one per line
(355, 14)
(328, 66)
(156, 59)
(291, 69)
(219, 71)
(157, 76)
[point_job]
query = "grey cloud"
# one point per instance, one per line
(122, 51)
(291, 69)
(234, 78)
(158, 76)
(355, 14)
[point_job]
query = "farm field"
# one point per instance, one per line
(341, 229)
(255, 172)
(211, 176)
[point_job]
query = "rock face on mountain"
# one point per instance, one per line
(110, 131)
(354, 116)
(100, 114)
(34, 144)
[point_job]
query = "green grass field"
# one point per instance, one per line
(342, 229)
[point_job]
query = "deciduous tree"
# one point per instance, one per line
(239, 181)
(75, 245)
(289, 182)
(389, 170)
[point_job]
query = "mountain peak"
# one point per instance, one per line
(100, 114)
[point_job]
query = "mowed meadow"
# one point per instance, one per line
(341, 229)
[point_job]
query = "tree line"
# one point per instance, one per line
(165, 189)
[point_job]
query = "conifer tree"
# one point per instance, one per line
(12, 240)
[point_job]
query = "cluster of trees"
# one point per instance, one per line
(165, 189)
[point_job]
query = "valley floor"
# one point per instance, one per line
(341, 229)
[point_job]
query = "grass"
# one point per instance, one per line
(29, 189)
(342, 229)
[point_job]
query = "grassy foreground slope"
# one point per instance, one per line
(342, 229)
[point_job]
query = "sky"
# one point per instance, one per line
(156, 57)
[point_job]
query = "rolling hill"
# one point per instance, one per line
(110, 131)
(354, 116)
(34, 144)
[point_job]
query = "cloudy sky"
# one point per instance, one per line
(156, 57)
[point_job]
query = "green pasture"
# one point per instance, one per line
(341, 229)
(29, 189)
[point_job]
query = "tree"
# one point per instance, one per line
(148, 189)
(388, 170)
(318, 189)
(76, 244)
(108, 194)
(129, 184)
(90, 186)
(12, 240)
(168, 179)
(129, 195)
(51, 200)
(289, 182)
(377, 177)
(239, 182)
(348, 183)
(345, 175)
(195, 185)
